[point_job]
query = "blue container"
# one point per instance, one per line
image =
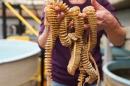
(112, 79)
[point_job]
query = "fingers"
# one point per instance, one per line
(60, 16)
(57, 9)
(84, 15)
(99, 22)
(96, 5)
(86, 26)
(71, 24)
(46, 22)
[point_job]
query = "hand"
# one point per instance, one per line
(60, 14)
(86, 26)
(104, 17)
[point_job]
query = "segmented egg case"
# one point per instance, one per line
(91, 16)
(51, 17)
(63, 33)
(81, 50)
(75, 57)
(76, 51)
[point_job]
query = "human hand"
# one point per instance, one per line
(60, 14)
(104, 17)
(83, 15)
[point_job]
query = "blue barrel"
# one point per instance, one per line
(115, 73)
(18, 62)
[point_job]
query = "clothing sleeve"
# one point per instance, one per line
(42, 27)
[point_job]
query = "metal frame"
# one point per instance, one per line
(4, 25)
(4, 18)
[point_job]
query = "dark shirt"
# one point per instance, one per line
(61, 54)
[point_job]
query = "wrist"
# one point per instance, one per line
(47, 30)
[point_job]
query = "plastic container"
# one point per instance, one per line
(117, 78)
(18, 62)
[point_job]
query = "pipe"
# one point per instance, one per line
(31, 14)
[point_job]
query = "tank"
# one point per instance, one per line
(18, 62)
(117, 73)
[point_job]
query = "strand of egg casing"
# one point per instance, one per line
(63, 32)
(51, 17)
(88, 67)
(97, 70)
(74, 61)
(48, 59)
(91, 18)
(93, 34)
(76, 49)
(92, 40)
(77, 43)
(75, 57)
(81, 76)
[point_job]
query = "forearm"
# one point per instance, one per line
(116, 34)
(43, 37)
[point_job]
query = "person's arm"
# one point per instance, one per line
(43, 37)
(114, 31)
(44, 32)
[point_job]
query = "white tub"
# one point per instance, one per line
(111, 79)
(18, 62)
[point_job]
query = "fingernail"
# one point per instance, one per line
(80, 14)
(62, 13)
(84, 15)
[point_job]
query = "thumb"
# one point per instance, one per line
(60, 16)
(96, 5)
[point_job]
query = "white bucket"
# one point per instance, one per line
(18, 62)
